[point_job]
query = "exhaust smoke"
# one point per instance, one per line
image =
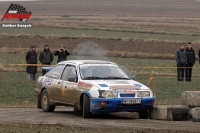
(89, 50)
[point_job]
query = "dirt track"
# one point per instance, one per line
(65, 116)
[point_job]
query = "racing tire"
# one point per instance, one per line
(144, 114)
(86, 107)
(45, 102)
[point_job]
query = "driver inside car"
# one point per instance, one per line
(105, 72)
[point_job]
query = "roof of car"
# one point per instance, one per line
(86, 62)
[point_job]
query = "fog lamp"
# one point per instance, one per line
(102, 103)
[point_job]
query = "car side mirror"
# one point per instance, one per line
(132, 77)
(72, 79)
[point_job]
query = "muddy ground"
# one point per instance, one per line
(65, 116)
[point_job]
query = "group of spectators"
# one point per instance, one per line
(185, 59)
(46, 57)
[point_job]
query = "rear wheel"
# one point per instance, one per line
(144, 114)
(86, 107)
(45, 102)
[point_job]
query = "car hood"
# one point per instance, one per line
(116, 84)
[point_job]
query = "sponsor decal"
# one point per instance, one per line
(129, 91)
(84, 86)
(129, 87)
(118, 82)
(126, 91)
(48, 81)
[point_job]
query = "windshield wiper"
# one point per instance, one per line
(113, 77)
(92, 77)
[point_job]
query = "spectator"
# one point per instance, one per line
(62, 53)
(181, 59)
(190, 62)
(46, 57)
(31, 58)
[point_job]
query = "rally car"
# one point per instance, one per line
(92, 87)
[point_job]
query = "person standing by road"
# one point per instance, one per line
(62, 53)
(31, 58)
(46, 57)
(181, 60)
(190, 62)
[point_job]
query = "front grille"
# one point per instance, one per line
(127, 95)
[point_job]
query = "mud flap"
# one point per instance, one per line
(39, 102)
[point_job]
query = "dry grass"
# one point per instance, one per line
(154, 25)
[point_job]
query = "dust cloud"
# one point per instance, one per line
(90, 50)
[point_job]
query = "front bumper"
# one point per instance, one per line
(114, 105)
(37, 92)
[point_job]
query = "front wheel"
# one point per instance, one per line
(86, 107)
(144, 114)
(45, 102)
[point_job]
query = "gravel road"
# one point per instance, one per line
(65, 116)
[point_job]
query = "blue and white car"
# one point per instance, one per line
(93, 87)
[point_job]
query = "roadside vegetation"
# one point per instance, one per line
(17, 91)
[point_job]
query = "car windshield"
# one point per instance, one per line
(101, 71)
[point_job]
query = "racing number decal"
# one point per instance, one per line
(64, 90)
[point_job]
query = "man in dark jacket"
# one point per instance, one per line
(181, 60)
(62, 53)
(190, 62)
(46, 57)
(31, 58)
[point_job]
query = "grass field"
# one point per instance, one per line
(16, 90)
(68, 32)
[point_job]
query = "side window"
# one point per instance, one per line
(55, 72)
(70, 71)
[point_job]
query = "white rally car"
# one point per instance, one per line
(92, 86)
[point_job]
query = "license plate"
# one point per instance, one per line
(131, 101)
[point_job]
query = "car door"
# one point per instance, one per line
(54, 82)
(68, 89)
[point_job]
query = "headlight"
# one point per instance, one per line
(108, 94)
(143, 94)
